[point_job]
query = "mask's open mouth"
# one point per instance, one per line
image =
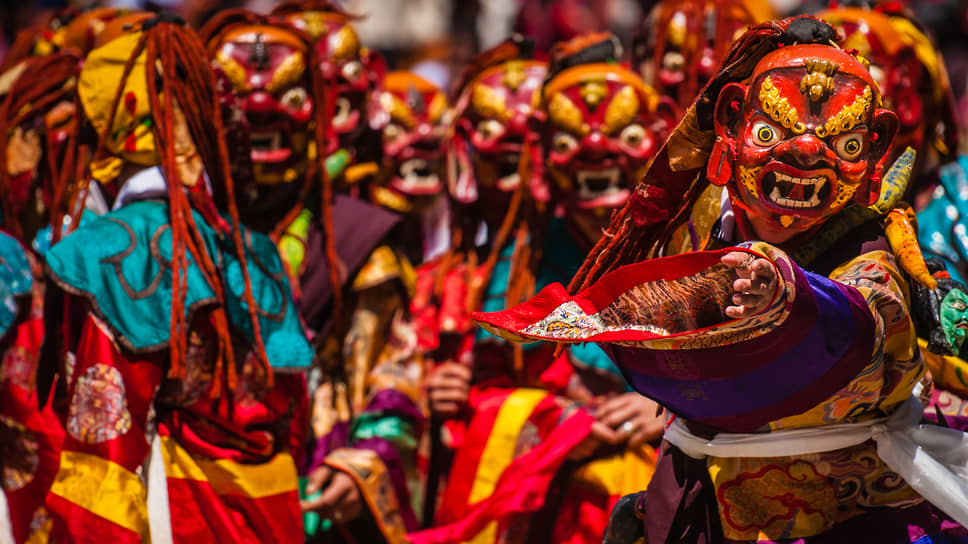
(508, 177)
(418, 177)
(603, 187)
(793, 192)
(269, 147)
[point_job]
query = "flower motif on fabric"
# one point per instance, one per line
(251, 386)
(18, 367)
(20, 457)
(99, 409)
(780, 498)
(198, 369)
(567, 321)
(775, 498)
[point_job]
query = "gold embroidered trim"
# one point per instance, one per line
(849, 117)
(345, 44)
(564, 113)
(234, 71)
(747, 177)
(398, 109)
(288, 73)
(488, 102)
(779, 108)
(621, 110)
(437, 107)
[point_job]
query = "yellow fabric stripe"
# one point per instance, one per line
(499, 450)
(103, 488)
(278, 475)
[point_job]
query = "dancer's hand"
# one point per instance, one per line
(340, 501)
(755, 286)
(636, 418)
(447, 388)
(600, 434)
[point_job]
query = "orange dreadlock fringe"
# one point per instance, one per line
(323, 90)
(323, 113)
(187, 83)
(221, 24)
(44, 82)
(211, 34)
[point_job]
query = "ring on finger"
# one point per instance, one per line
(627, 427)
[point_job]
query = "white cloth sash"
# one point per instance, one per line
(6, 525)
(159, 513)
(933, 460)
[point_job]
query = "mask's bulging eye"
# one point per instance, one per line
(490, 129)
(765, 134)
(295, 98)
(633, 135)
(564, 143)
(392, 132)
(352, 70)
(849, 147)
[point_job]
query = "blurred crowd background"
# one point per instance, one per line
(435, 38)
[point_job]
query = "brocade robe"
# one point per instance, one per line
(149, 455)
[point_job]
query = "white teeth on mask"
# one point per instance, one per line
(775, 195)
(509, 181)
(411, 166)
(266, 141)
(816, 182)
(598, 183)
(417, 172)
(509, 178)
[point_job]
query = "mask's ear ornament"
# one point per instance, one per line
(884, 126)
(723, 156)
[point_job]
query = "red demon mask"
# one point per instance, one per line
(352, 73)
(266, 67)
(491, 127)
(803, 139)
(412, 173)
(909, 72)
(602, 125)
